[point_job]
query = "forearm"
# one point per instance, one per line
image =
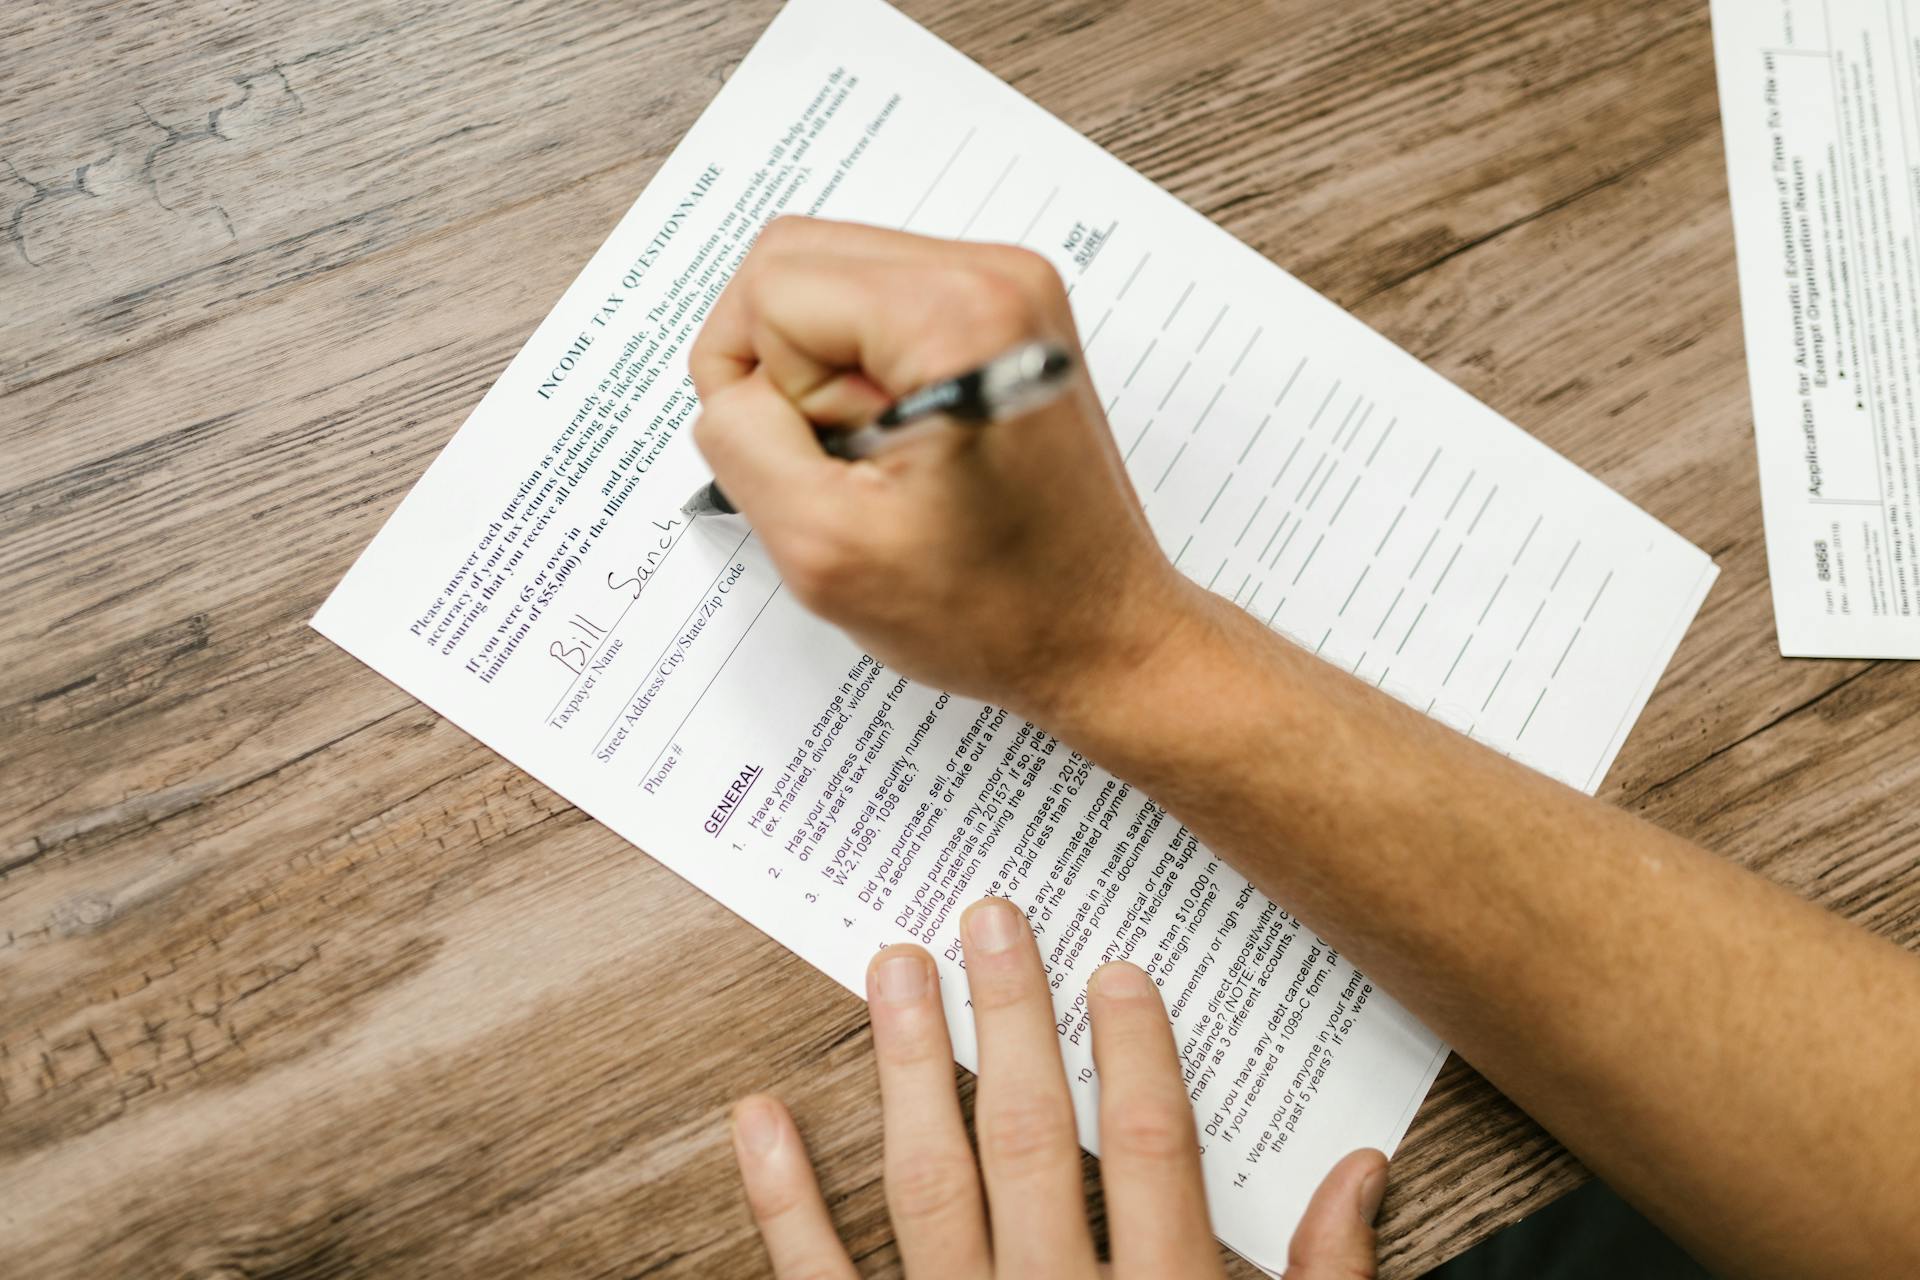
(1739, 1062)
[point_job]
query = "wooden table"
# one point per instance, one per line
(298, 980)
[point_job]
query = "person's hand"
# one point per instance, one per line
(1017, 1210)
(1010, 562)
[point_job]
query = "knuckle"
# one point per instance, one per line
(928, 1187)
(1005, 305)
(717, 426)
(772, 1199)
(706, 431)
(992, 989)
(1028, 1133)
(812, 1267)
(1035, 272)
(909, 1042)
(781, 233)
(996, 306)
(1153, 1131)
(818, 566)
(702, 345)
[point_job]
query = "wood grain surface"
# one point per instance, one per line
(297, 980)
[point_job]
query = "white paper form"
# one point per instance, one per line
(1821, 103)
(538, 588)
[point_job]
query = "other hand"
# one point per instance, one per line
(1017, 1210)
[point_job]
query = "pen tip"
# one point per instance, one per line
(707, 500)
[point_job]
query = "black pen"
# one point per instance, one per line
(1018, 381)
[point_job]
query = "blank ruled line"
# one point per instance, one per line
(1389, 613)
(1210, 328)
(1356, 590)
(1183, 550)
(1255, 436)
(1309, 560)
(1538, 609)
(1216, 497)
(1382, 681)
(1291, 455)
(1357, 661)
(1216, 574)
(1248, 606)
(1343, 502)
(1529, 719)
(1357, 427)
(1410, 627)
(702, 695)
(1242, 587)
(1341, 430)
(1475, 523)
(1250, 519)
(1276, 611)
(981, 207)
(1424, 474)
(1135, 276)
(1596, 598)
(939, 176)
(1563, 654)
(1495, 596)
(1496, 686)
(1431, 539)
(1381, 442)
(1276, 533)
(1175, 384)
(1449, 569)
(1187, 292)
(1395, 524)
(1456, 660)
(1323, 485)
(1315, 420)
(1038, 214)
(1455, 504)
(1310, 478)
(1247, 350)
(1137, 439)
(1526, 541)
(1088, 344)
(1170, 466)
(1209, 409)
(1323, 640)
(661, 656)
(1555, 585)
(1290, 381)
(1275, 562)
(1151, 344)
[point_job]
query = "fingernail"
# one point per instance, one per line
(756, 1127)
(900, 978)
(993, 925)
(1372, 1191)
(1123, 982)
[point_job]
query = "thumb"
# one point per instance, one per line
(1334, 1240)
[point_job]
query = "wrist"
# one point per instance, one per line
(1163, 648)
